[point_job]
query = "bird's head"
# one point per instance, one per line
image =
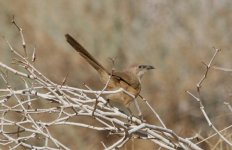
(139, 70)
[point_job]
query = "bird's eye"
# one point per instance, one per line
(140, 67)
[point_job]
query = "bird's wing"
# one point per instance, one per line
(127, 77)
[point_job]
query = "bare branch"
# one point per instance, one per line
(198, 99)
(67, 103)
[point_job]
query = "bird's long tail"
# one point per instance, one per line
(86, 55)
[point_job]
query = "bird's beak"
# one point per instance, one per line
(150, 67)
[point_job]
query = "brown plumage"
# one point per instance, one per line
(129, 80)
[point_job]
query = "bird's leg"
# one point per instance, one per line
(141, 117)
(130, 115)
(139, 111)
(107, 103)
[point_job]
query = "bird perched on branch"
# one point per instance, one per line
(129, 79)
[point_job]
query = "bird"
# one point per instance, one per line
(128, 79)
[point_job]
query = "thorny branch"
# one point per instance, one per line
(208, 67)
(199, 100)
(20, 123)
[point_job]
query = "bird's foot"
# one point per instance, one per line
(107, 103)
(130, 118)
(142, 119)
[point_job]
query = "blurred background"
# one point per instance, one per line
(174, 36)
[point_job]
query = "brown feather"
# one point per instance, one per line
(85, 54)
